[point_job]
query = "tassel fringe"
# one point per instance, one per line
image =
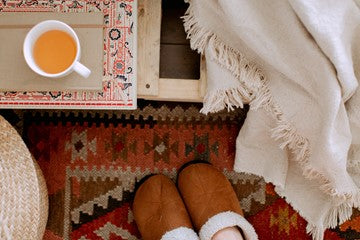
(316, 232)
(253, 89)
(337, 215)
(227, 98)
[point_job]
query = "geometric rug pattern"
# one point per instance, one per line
(92, 160)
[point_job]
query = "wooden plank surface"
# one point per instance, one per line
(173, 60)
(172, 28)
(179, 61)
(203, 81)
(149, 22)
(182, 90)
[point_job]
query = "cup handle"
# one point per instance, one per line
(82, 70)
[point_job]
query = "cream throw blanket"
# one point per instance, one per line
(296, 62)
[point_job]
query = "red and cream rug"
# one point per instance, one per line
(91, 161)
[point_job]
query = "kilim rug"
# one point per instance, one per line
(91, 161)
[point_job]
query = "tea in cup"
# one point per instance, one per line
(52, 49)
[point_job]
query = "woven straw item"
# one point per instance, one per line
(23, 193)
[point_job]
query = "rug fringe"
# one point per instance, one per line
(253, 90)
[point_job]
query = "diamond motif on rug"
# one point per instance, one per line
(80, 146)
(92, 164)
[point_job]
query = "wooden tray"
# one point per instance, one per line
(17, 76)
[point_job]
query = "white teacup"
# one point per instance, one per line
(36, 32)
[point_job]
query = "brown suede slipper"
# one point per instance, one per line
(159, 211)
(211, 201)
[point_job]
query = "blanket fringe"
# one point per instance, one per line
(337, 215)
(224, 98)
(253, 89)
(316, 232)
